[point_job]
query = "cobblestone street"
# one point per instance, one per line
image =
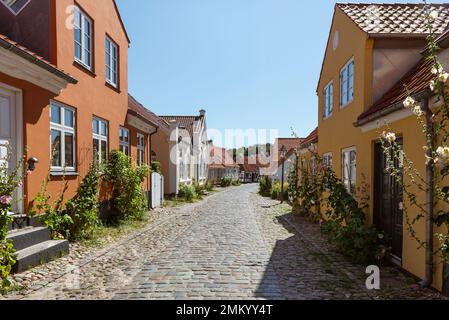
(233, 245)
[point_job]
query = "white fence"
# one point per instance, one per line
(157, 190)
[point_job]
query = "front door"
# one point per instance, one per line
(8, 136)
(388, 201)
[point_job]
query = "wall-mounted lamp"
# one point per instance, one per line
(32, 164)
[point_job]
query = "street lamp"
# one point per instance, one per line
(283, 152)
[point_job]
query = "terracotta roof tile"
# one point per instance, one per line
(32, 57)
(311, 138)
(395, 18)
(416, 81)
(187, 122)
(220, 158)
(144, 112)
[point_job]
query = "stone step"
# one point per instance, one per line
(28, 237)
(39, 254)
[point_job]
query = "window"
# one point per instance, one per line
(111, 63)
(83, 39)
(100, 139)
(124, 141)
(62, 137)
(349, 169)
(140, 149)
(347, 84)
(312, 166)
(15, 6)
(327, 160)
(328, 100)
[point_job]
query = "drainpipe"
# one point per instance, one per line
(427, 282)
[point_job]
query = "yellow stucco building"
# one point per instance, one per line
(372, 51)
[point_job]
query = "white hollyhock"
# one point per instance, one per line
(409, 102)
(443, 77)
(443, 152)
(433, 15)
(432, 85)
(389, 136)
(417, 111)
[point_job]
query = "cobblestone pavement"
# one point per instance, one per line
(233, 245)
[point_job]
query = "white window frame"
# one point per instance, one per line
(12, 11)
(328, 160)
(83, 18)
(61, 127)
(351, 179)
(101, 138)
(328, 100)
(113, 62)
(349, 99)
(140, 149)
(124, 144)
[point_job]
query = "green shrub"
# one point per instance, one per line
(156, 167)
(187, 192)
(226, 182)
(128, 196)
(209, 186)
(80, 215)
(265, 186)
(236, 182)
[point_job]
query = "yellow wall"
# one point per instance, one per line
(338, 132)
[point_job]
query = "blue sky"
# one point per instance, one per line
(249, 63)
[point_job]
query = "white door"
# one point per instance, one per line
(8, 133)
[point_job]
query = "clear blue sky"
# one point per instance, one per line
(249, 63)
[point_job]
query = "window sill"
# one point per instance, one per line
(346, 105)
(327, 117)
(64, 174)
(82, 67)
(112, 87)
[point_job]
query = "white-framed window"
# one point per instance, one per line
(312, 166)
(328, 100)
(100, 139)
(327, 160)
(140, 149)
(349, 169)
(15, 6)
(83, 38)
(347, 84)
(111, 62)
(62, 137)
(124, 141)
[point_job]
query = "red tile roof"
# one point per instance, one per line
(32, 57)
(220, 158)
(395, 18)
(415, 82)
(187, 122)
(252, 165)
(311, 138)
(144, 112)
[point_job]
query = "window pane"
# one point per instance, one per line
(104, 151)
(78, 51)
(95, 126)
(104, 129)
(55, 114)
(69, 155)
(96, 148)
(87, 58)
(331, 92)
(351, 82)
(69, 118)
(56, 148)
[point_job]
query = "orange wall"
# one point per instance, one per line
(90, 97)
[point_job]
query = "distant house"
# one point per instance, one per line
(274, 170)
(251, 168)
(182, 148)
(222, 165)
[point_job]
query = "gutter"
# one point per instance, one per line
(34, 60)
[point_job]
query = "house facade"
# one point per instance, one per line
(222, 165)
(182, 148)
(64, 91)
(372, 52)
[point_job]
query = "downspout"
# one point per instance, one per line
(151, 162)
(430, 180)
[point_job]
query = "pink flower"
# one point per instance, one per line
(5, 200)
(321, 222)
(29, 172)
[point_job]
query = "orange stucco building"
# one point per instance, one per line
(64, 83)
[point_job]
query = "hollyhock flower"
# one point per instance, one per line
(5, 200)
(432, 85)
(381, 236)
(443, 77)
(443, 152)
(433, 15)
(409, 102)
(389, 136)
(437, 70)
(417, 111)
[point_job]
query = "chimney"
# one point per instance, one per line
(202, 113)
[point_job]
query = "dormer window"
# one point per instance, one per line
(15, 6)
